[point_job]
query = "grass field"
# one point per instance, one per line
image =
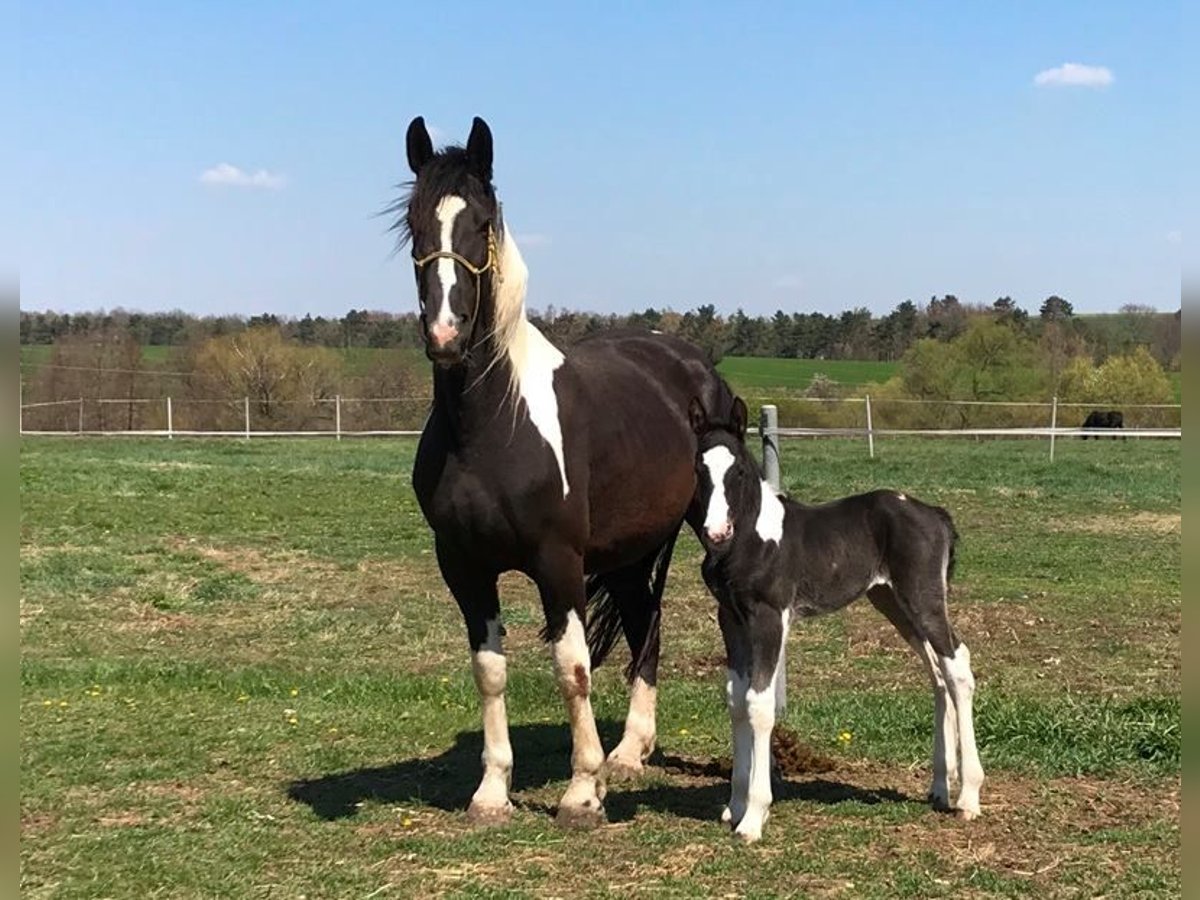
(242, 676)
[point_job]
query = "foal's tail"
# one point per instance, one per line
(944, 515)
(605, 613)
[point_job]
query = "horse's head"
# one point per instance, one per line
(727, 479)
(452, 222)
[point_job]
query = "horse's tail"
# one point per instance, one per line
(605, 614)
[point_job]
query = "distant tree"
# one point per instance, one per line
(947, 318)
(1055, 309)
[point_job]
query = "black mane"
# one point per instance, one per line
(448, 172)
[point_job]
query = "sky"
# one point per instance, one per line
(228, 157)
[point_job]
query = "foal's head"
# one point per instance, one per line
(452, 220)
(727, 477)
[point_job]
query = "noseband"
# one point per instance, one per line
(476, 271)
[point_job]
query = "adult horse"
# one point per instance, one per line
(576, 469)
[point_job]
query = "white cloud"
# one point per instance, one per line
(1075, 75)
(228, 175)
(1174, 236)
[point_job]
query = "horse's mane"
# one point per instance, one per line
(449, 172)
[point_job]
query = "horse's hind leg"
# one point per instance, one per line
(480, 604)
(637, 594)
(559, 578)
(945, 729)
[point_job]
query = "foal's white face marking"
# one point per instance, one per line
(447, 211)
(718, 460)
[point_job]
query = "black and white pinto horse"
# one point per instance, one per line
(576, 469)
(769, 558)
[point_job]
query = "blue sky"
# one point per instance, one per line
(797, 156)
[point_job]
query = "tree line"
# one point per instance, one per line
(852, 334)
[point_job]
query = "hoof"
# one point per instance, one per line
(726, 816)
(748, 836)
(580, 818)
(623, 770)
(967, 814)
(487, 816)
(939, 802)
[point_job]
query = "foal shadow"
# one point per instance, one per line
(705, 801)
(543, 754)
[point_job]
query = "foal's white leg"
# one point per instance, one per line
(960, 681)
(945, 731)
(581, 805)
(490, 802)
(735, 697)
(760, 710)
(637, 743)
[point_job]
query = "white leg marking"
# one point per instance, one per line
(491, 676)
(447, 211)
(718, 461)
(760, 710)
(640, 733)
(945, 731)
(743, 740)
(572, 667)
(961, 684)
(781, 670)
(770, 515)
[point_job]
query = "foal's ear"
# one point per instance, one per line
(479, 149)
(420, 145)
(739, 417)
(697, 416)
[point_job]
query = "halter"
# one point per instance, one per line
(476, 271)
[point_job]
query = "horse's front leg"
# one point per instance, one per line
(480, 604)
(767, 633)
(560, 583)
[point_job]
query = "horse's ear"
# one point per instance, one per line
(420, 145)
(479, 149)
(697, 416)
(739, 417)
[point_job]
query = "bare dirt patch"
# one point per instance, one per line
(1140, 522)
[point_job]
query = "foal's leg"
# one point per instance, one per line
(560, 583)
(956, 667)
(480, 605)
(737, 682)
(767, 636)
(945, 732)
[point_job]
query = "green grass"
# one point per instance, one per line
(749, 374)
(241, 675)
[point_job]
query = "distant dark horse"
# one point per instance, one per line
(1103, 419)
(564, 467)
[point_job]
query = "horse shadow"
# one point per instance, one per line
(542, 753)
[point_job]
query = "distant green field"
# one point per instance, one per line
(746, 374)
(759, 372)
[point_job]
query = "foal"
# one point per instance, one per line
(769, 558)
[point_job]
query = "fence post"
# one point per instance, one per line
(247, 418)
(768, 427)
(337, 415)
(870, 430)
(81, 415)
(170, 422)
(1053, 424)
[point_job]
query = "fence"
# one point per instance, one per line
(784, 417)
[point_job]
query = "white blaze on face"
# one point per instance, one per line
(447, 211)
(718, 460)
